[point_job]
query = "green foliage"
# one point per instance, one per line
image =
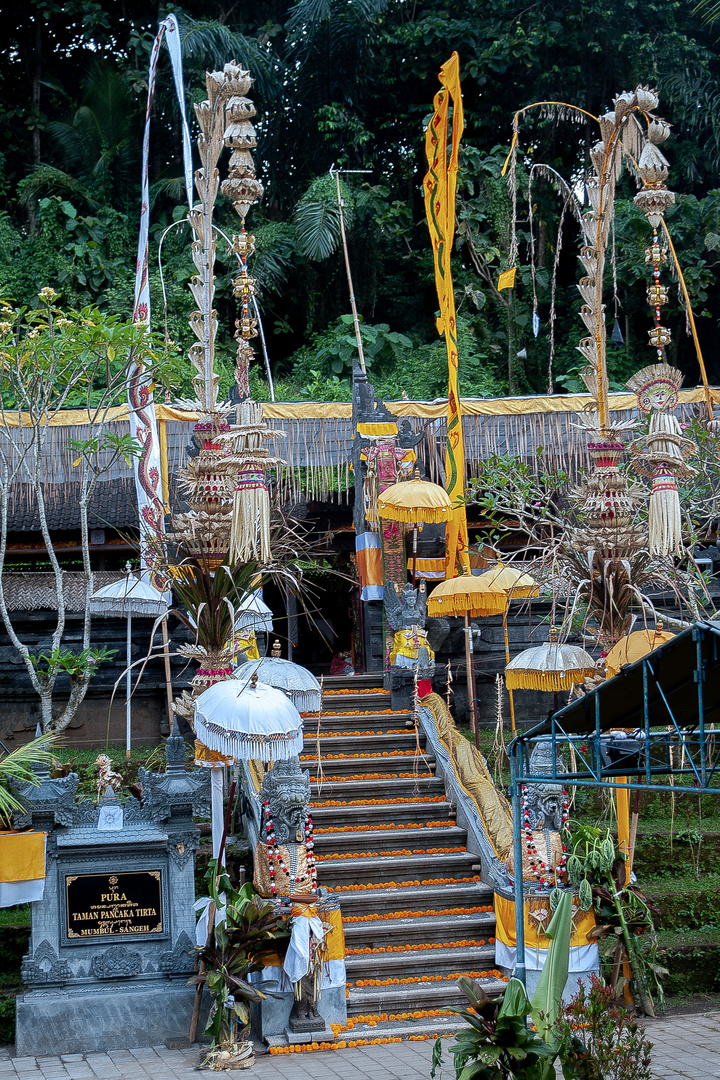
(76, 666)
(17, 767)
(497, 1044)
(600, 1041)
(251, 929)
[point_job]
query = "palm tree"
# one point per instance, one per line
(17, 767)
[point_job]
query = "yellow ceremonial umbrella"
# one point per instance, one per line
(467, 595)
(634, 646)
(550, 666)
(517, 585)
(415, 502)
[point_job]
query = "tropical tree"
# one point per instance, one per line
(52, 359)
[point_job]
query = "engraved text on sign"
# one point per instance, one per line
(110, 905)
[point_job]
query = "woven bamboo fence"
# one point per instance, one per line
(36, 592)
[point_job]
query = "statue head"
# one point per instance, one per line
(545, 801)
(657, 387)
(286, 787)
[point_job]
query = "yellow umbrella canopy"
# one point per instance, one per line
(549, 666)
(466, 595)
(414, 501)
(515, 583)
(634, 646)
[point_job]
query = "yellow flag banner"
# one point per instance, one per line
(507, 279)
(439, 188)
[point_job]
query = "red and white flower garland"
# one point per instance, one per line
(545, 874)
(274, 855)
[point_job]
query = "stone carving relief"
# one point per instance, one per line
(181, 959)
(44, 966)
(117, 962)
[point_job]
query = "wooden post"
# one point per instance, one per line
(470, 664)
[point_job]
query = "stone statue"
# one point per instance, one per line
(285, 865)
(545, 815)
(405, 611)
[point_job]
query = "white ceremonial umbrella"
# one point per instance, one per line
(248, 721)
(297, 683)
(254, 614)
(129, 596)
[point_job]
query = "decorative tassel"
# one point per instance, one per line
(664, 521)
(250, 531)
(545, 680)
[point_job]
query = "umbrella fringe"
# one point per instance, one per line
(493, 604)
(546, 680)
(410, 515)
(249, 747)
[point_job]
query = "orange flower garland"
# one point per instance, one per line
(402, 884)
(464, 942)
(380, 776)
(382, 854)
(359, 690)
(383, 753)
(492, 973)
(392, 825)
(419, 914)
(379, 802)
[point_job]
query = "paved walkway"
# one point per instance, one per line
(686, 1048)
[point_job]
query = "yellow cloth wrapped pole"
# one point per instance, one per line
(439, 187)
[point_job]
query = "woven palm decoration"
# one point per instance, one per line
(660, 455)
(550, 666)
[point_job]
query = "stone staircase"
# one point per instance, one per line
(416, 914)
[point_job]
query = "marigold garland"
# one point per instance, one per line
(492, 973)
(376, 690)
(351, 712)
(398, 851)
(385, 1018)
(355, 734)
(379, 753)
(379, 776)
(378, 828)
(403, 884)
(465, 943)
(379, 802)
(485, 909)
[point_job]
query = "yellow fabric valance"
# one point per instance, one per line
(22, 856)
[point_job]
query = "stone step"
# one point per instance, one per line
(359, 744)
(445, 930)
(448, 835)
(375, 1000)
(400, 787)
(371, 681)
(405, 868)
(447, 961)
(430, 1027)
(364, 721)
(358, 766)
(415, 898)
(339, 703)
(400, 813)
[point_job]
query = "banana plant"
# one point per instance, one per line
(546, 1004)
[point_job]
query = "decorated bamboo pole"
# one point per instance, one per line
(439, 187)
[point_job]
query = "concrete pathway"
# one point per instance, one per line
(686, 1048)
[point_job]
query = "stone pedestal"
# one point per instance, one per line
(112, 941)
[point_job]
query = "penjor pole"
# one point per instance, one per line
(439, 189)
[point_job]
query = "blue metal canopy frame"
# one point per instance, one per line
(669, 700)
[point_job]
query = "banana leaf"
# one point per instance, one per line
(547, 999)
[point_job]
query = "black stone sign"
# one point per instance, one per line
(110, 905)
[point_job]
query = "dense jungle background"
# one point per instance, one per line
(350, 83)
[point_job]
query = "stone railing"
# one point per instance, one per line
(481, 807)
(36, 592)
